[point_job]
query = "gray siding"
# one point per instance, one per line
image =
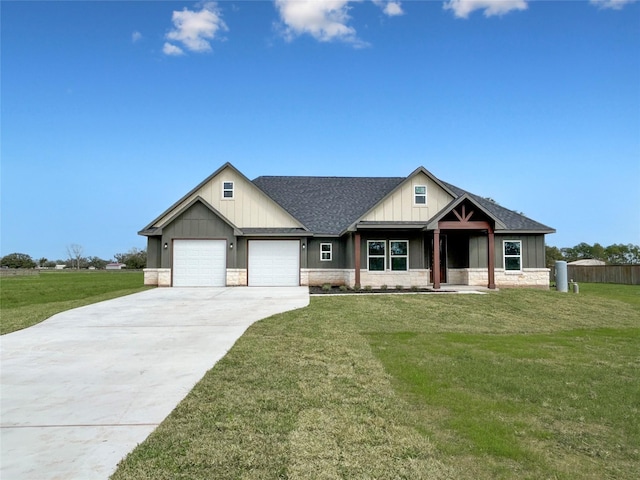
(417, 247)
(533, 251)
(198, 222)
(154, 252)
(339, 253)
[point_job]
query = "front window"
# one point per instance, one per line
(513, 255)
(399, 254)
(227, 189)
(376, 255)
(420, 195)
(325, 252)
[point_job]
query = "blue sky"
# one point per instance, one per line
(111, 111)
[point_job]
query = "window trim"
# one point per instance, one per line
(383, 256)
(330, 252)
(505, 256)
(392, 256)
(416, 195)
(225, 189)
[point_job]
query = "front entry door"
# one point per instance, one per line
(443, 259)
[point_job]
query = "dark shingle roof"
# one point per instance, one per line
(512, 220)
(327, 204)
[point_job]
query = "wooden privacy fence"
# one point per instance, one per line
(622, 274)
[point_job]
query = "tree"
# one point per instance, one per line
(75, 254)
(17, 260)
(553, 254)
(134, 258)
(96, 262)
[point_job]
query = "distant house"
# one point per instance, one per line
(274, 231)
(115, 266)
(61, 267)
(588, 262)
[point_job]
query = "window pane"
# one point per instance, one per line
(326, 256)
(512, 248)
(228, 186)
(376, 264)
(228, 194)
(421, 200)
(325, 247)
(512, 263)
(399, 263)
(421, 190)
(398, 248)
(376, 248)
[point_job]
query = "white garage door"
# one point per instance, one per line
(274, 263)
(199, 263)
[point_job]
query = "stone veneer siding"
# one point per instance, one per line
(236, 277)
(529, 277)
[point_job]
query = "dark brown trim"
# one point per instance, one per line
(476, 225)
(436, 259)
(357, 259)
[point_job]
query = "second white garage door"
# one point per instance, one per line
(199, 263)
(274, 263)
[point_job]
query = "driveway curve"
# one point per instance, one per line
(80, 390)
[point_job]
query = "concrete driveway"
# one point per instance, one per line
(82, 389)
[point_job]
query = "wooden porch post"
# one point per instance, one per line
(491, 260)
(436, 259)
(357, 259)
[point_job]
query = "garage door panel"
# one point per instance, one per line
(199, 263)
(274, 263)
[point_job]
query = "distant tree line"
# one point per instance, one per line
(616, 254)
(133, 259)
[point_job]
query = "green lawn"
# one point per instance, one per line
(513, 384)
(27, 300)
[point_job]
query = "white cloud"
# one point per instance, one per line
(391, 8)
(136, 36)
(462, 8)
(194, 29)
(170, 49)
(324, 20)
(613, 4)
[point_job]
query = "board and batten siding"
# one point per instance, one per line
(250, 207)
(197, 222)
(533, 250)
(399, 207)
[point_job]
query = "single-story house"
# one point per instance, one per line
(286, 230)
(589, 262)
(115, 266)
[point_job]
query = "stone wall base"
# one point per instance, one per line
(412, 278)
(236, 277)
(528, 277)
(316, 277)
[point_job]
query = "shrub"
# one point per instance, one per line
(399, 287)
(343, 288)
(357, 287)
(414, 288)
(367, 288)
(326, 287)
(383, 287)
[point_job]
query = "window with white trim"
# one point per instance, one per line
(326, 252)
(376, 255)
(420, 195)
(512, 255)
(399, 255)
(227, 190)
